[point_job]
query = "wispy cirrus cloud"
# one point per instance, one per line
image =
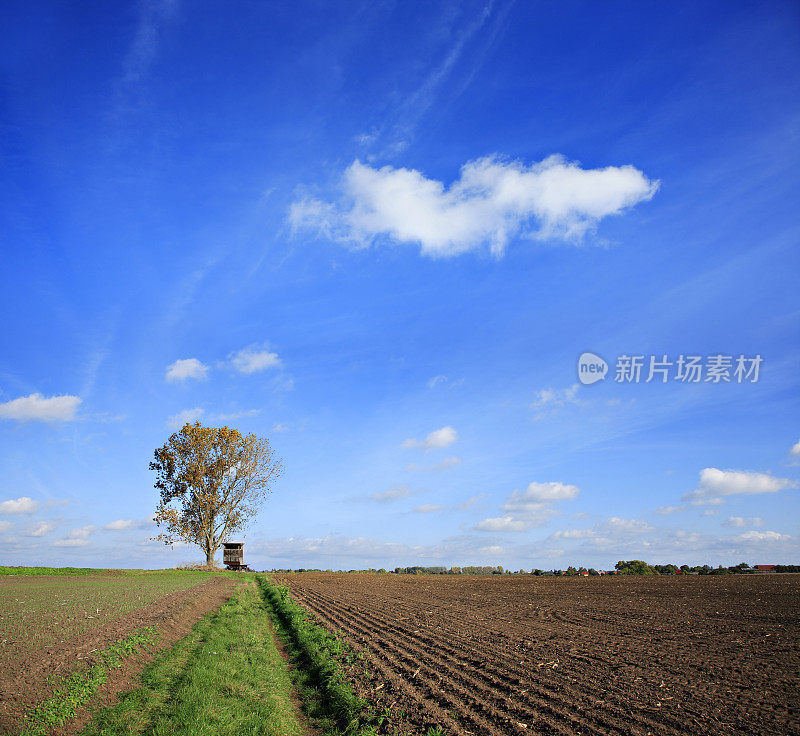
(448, 462)
(393, 493)
(428, 508)
(492, 201)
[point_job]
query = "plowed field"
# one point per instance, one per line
(526, 655)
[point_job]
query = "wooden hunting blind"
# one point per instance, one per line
(233, 555)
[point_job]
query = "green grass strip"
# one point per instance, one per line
(227, 678)
(322, 683)
(78, 688)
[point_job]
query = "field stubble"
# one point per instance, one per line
(521, 655)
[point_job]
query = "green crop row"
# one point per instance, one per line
(78, 688)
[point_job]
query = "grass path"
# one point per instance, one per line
(226, 678)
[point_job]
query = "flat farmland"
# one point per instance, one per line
(614, 655)
(52, 625)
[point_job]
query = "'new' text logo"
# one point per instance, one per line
(591, 368)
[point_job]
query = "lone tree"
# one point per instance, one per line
(212, 482)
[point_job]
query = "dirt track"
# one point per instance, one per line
(524, 655)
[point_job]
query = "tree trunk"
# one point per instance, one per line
(209, 558)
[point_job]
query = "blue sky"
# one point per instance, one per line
(381, 234)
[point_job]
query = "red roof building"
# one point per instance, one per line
(765, 568)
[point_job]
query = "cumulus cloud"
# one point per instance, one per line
(254, 360)
(393, 493)
(436, 440)
(76, 538)
(492, 201)
(743, 521)
(21, 505)
(715, 484)
(176, 421)
(186, 368)
(795, 451)
(40, 529)
(530, 508)
(36, 407)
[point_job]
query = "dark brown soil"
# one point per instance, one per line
(25, 684)
(527, 655)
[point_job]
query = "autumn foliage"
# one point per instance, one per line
(212, 481)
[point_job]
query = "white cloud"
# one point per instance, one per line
(612, 531)
(574, 534)
(21, 505)
(186, 368)
(428, 508)
(436, 440)
(76, 538)
(507, 523)
(715, 484)
(795, 451)
(176, 421)
(36, 407)
(40, 529)
(392, 493)
(254, 360)
(533, 507)
(547, 399)
(492, 201)
(764, 537)
(233, 416)
(5, 526)
(743, 521)
(615, 524)
(442, 380)
(448, 462)
(121, 525)
(669, 509)
(538, 492)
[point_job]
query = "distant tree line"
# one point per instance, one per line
(623, 567)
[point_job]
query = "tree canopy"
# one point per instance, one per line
(212, 481)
